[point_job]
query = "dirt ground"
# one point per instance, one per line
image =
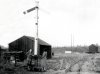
(70, 64)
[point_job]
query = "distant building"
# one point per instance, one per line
(93, 49)
(26, 43)
(68, 51)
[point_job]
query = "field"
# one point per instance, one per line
(72, 63)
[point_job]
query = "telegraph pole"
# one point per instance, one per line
(71, 42)
(36, 26)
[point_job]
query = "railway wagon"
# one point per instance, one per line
(93, 48)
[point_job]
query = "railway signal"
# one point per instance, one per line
(36, 24)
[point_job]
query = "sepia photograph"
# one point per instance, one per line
(49, 37)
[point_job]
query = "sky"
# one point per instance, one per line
(61, 22)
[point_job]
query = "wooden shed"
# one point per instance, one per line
(25, 43)
(93, 48)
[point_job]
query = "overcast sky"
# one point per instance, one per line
(60, 21)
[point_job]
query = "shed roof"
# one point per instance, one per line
(41, 42)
